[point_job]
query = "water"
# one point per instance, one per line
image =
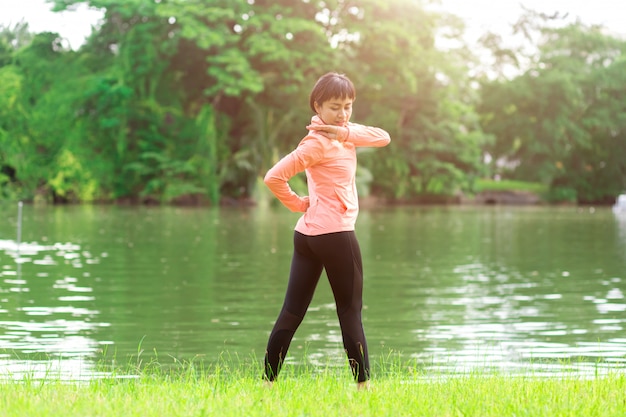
(516, 289)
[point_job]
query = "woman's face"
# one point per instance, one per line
(336, 111)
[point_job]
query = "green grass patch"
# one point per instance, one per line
(486, 184)
(234, 388)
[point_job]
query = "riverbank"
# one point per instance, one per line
(395, 391)
(485, 192)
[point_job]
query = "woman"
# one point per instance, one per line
(324, 236)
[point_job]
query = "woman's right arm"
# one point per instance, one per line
(306, 154)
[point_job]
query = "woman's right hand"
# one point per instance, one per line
(305, 203)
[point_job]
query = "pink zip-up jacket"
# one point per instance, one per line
(332, 204)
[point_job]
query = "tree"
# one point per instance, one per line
(29, 146)
(420, 93)
(555, 122)
(188, 100)
(207, 66)
(138, 120)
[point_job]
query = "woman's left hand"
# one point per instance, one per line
(332, 132)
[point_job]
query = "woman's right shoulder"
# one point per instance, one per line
(312, 139)
(312, 147)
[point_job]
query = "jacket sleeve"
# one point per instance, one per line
(308, 152)
(361, 135)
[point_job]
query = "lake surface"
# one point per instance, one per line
(519, 289)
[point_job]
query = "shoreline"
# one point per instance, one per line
(483, 198)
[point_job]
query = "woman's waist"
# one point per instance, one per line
(320, 221)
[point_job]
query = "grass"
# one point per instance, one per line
(509, 185)
(234, 388)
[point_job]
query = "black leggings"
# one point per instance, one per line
(340, 255)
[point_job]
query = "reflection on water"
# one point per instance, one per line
(522, 290)
(505, 324)
(61, 331)
(74, 369)
(514, 289)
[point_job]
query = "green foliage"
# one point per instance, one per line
(561, 122)
(406, 85)
(483, 184)
(182, 100)
(12, 39)
(208, 153)
(72, 182)
(562, 194)
(165, 179)
(30, 130)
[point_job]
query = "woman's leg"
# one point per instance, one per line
(305, 272)
(341, 256)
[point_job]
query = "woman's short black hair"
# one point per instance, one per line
(329, 86)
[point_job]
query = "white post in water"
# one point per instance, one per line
(19, 225)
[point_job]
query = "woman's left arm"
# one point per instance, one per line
(358, 135)
(361, 135)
